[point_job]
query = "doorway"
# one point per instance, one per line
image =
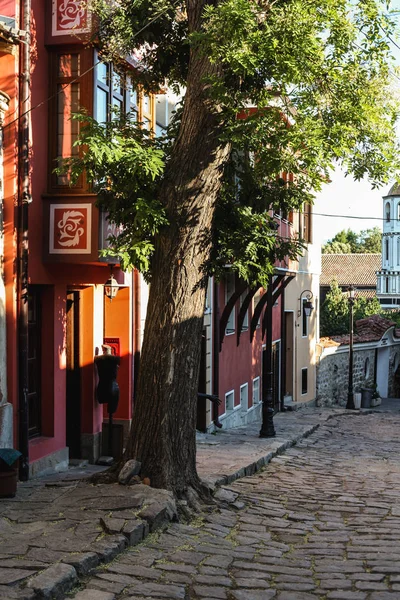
(34, 361)
(288, 357)
(382, 371)
(73, 383)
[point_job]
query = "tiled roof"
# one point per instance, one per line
(370, 329)
(394, 190)
(347, 269)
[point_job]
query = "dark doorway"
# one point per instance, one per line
(289, 354)
(34, 362)
(201, 423)
(276, 375)
(73, 391)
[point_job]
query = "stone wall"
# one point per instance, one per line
(333, 373)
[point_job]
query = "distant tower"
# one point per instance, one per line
(388, 279)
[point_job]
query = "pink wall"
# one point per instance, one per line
(241, 364)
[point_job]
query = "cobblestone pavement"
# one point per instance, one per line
(321, 521)
(60, 527)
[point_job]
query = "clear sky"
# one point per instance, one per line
(350, 199)
(346, 201)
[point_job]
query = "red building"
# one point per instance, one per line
(53, 233)
(54, 314)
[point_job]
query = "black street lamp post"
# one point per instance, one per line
(350, 393)
(267, 426)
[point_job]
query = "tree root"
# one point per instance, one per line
(108, 476)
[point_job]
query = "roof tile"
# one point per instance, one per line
(347, 269)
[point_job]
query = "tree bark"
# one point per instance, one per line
(163, 435)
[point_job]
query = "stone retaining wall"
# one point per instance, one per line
(333, 373)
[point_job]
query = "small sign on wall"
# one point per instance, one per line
(114, 343)
(70, 228)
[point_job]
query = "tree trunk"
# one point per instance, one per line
(163, 435)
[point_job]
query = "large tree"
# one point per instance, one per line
(317, 73)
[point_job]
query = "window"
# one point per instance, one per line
(256, 390)
(244, 396)
(304, 318)
(68, 101)
(245, 324)
(387, 211)
(398, 250)
(207, 308)
(304, 380)
(387, 284)
(398, 211)
(229, 290)
(229, 400)
(114, 93)
(307, 222)
(256, 300)
(386, 249)
(109, 93)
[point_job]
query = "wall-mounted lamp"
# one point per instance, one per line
(307, 305)
(111, 286)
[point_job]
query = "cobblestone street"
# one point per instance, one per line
(321, 521)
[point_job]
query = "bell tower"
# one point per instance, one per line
(388, 278)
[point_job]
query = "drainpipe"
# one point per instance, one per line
(137, 319)
(24, 197)
(283, 351)
(216, 350)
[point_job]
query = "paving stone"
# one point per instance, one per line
(53, 581)
(90, 594)
(155, 590)
(347, 595)
(134, 570)
(135, 531)
(192, 558)
(83, 563)
(212, 580)
(258, 595)
(10, 576)
(210, 592)
(108, 586)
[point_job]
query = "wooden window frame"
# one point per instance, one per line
(86, 102)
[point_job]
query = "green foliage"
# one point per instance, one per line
(334, 314)
(336, 248)
(368, 241)
(318, 74)
(371, 241)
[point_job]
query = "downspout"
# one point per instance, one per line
(24, 197)
(137, 307)
(216, 350)
(283, 352)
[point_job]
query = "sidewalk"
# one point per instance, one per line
(60, 527)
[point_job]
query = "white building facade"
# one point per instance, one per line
(388, 278)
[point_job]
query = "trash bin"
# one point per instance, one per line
(366, 397)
